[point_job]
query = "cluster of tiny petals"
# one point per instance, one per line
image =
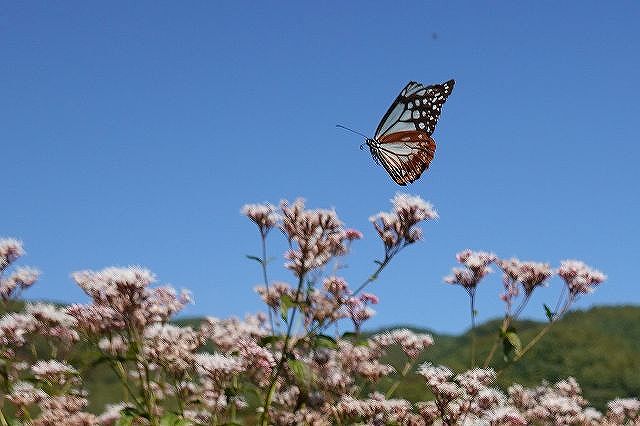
(22, 278)
(315, 235)
(216, 366)
(352, 234)
(53, 371)
(412, 344)
(123, 295)
(476, 379)
(10, 250)
(263, 215)
(358, 308)
(476, 267)
(529, 274)
(435, 374)
(623, 411)
(337, 286)
(398, 227)
(580, 278)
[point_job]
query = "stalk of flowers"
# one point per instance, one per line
(465, 398)
(55, 389)
(578, 279)
(516, 274)
(22, 277)
(476, 267)
(126, 314)
(561, 403)
(315, 237)
(398, 228)
(412, 345)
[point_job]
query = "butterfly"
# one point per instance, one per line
(402, 143)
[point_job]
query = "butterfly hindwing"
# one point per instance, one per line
(417, 108)
(405, 154)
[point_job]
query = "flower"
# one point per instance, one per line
(476, 267)
(315, 235)
(580, 278)
(10, 250)
(263, 215)
(530, 274)
(397, 228)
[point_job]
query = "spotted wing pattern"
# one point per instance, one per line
(417, 108)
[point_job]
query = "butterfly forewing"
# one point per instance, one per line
(417, 108)
(405, 155)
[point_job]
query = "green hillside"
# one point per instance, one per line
(599, 347)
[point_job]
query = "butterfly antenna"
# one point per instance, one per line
(352, 131)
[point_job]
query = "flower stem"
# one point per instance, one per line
(263, 263)
(3, 421)
(472, 300)
(264, 418)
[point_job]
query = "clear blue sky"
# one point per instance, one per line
(133, 132)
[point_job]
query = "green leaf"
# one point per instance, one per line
(324, 341)
(15, 422)
(125, 420)
(285, 303)
(356, 339)
(172, 419)
(548, 312)
(511, 343)
(348, 335)
(266, 340)
(257, 259)
(300, 371)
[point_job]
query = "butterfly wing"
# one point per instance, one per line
(417, 108)
(404, 155)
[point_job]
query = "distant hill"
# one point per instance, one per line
(600, 347)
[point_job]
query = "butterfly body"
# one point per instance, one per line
(402, 143)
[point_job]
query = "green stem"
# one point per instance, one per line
(526, 348)
(263, 263)
(505, 323)
(403, 373)
(3, 421)
(472, 295)
(264, 418)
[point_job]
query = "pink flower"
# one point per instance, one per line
(315, 236)
(580, 278)
(530, 274)
(263, 215)
(397, 228)
(10, 250)
(476, 264)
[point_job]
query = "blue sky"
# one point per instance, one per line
(132, 133)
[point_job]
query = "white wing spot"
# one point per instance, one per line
(424, 113)
(410, 105)
(421, 125)
(416, 114)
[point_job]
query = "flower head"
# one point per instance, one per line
(476, 267)
(263, 215)
(398, 227)
(580, 278)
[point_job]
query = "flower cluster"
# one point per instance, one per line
(22, 277)
(397, 228)
(221, 370)
(476, 267)
(314, 235)
(580, 278)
